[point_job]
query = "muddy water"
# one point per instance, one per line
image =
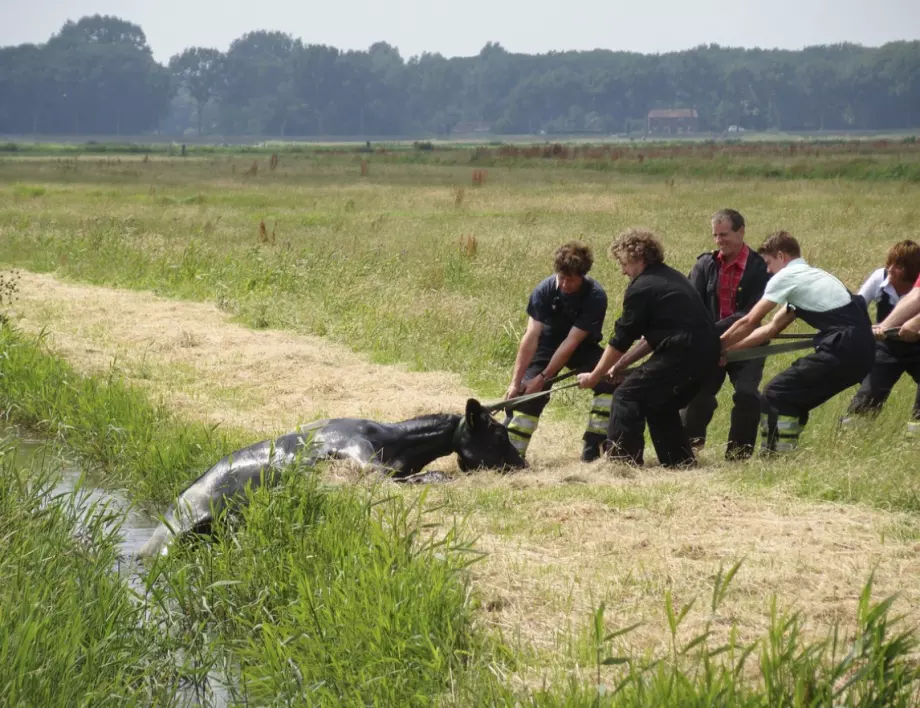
(136, 525)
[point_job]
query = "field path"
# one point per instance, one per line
(209, 368)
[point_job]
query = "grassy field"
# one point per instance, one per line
(413, 264)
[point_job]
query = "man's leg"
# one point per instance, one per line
(875, 388)
(626, 431)
(698, 414)
(522, 422)
(742, 434)
(584, 360)
(670, 438)
(913, 424)
(788, 398)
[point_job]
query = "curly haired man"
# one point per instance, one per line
(665, 313)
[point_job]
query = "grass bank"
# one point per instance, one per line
(324, 593)
(71, 632)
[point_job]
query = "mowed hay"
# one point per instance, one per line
(561, 537)
(213, 370)
(556, 550)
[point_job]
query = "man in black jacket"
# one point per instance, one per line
(730, 279)
(661, 308)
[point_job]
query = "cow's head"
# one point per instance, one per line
(482, 442)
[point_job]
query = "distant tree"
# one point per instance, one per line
(201, 72)
(97, 75)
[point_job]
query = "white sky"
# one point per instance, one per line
(462, 27)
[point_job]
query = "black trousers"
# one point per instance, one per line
(745, 416)
(655, 394)
(888, 369)
(583, 360)
(808, 383)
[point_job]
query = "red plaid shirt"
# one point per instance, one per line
(729, 280)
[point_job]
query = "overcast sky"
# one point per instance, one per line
(462, 27)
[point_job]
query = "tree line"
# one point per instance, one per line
(98, 76)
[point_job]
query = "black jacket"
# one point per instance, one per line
(705, 280)
(662, 306)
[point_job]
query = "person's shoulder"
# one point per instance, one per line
(597, 290)
(547, 285)
(706, 257)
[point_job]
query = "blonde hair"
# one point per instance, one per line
(637, 245)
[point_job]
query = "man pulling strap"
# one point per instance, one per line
(886, 286)
(661, 307)
(844, 346)
(565, 317)
(906, 315)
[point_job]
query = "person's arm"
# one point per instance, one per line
(608, 360)
(526, 351)
(910, 330)
(697, 276)
(871, 290)
(638, 351)
(765, 333)
(627, 329)
(747, 324)
(560, 358)
(907, 308)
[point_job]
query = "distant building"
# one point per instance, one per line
(471, 127)
(670, 121)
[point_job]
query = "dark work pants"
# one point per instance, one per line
(655, 394)
(805, 385)
(523, 422)
(745, 416)
(886, 372)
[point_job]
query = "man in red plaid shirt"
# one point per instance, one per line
(730, 279)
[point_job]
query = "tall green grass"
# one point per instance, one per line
(333, 597)
(71, 633)
(872, 666)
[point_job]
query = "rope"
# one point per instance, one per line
(800, 341)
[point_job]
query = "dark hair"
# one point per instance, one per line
(730, 215)
(573, 258)
(780, 242)
(907, 255)
(637, 245)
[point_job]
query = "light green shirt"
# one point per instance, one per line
(807, 288)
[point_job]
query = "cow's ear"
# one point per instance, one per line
(473, 412)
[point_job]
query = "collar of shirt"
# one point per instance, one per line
(740, 260)
(887, 287)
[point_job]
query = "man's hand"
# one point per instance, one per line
(616, 374)
(533, 385)
(514, 390)
(878, 332)
(588, 380)
(910, 331)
